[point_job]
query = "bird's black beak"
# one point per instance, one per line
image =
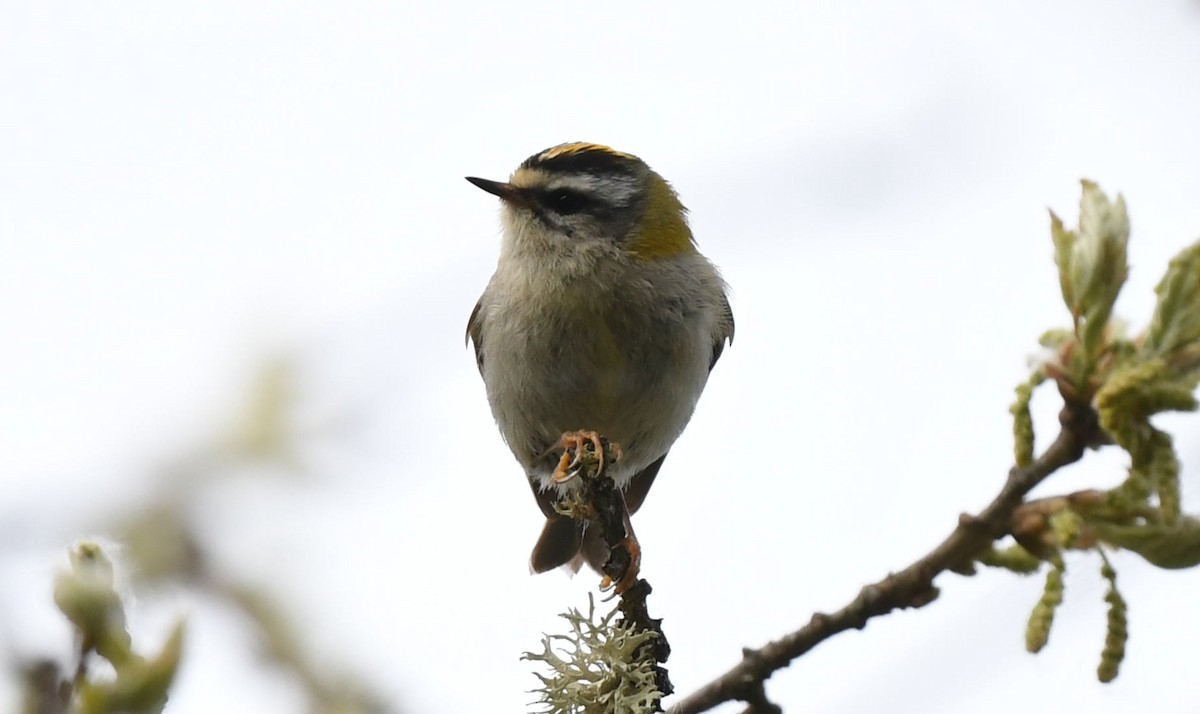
(515, 195)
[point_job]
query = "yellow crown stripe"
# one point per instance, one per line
(581, 147)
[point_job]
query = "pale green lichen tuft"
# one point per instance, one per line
(594, 669)
(574, 504)
(1037, 632)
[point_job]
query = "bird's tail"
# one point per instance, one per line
(568, 543)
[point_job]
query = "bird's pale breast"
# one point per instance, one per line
(581, 361)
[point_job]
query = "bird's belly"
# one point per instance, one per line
(586, 377)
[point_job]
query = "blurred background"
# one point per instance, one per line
(237, 257)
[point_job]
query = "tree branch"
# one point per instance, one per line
(610, 516)
(911, 587)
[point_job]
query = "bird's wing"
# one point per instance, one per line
(545, 499)
(639, 485)
(725, 334)
(475, 334)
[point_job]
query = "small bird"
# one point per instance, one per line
(602, 318)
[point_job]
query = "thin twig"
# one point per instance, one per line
(636, 614)
(608, 511)
(911, 587)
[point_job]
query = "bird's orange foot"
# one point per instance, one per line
(574, 445)
(630, 576)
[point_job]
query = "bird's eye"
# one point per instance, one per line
(566, 202)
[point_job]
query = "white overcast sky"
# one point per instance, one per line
(188, 189)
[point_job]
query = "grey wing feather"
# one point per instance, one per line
(725, 335)
(475, 334)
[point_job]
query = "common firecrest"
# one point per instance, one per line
(602, 318)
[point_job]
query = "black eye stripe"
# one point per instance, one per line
(566, 201)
